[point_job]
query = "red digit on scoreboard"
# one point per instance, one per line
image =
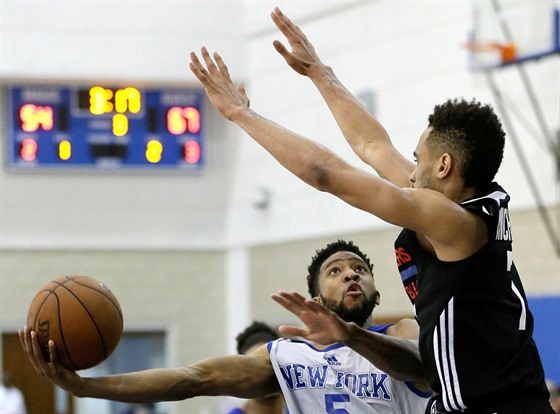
(28, 151)
(34, 117)
(181, 120)
(192, 152)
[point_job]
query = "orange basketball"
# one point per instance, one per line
(83, 318)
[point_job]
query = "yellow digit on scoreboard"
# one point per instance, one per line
(100, 100)
(120, 125)
(154, 150)
(64, 150)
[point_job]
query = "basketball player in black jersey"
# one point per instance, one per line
(454, 254)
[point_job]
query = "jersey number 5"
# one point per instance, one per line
(331, 399)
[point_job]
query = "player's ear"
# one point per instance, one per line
(445, 165)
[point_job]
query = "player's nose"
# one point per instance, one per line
(413, 177)
(351, 276)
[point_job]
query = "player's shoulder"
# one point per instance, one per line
(406, 328)
(494, 196)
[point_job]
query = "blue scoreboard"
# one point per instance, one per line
(104, 127)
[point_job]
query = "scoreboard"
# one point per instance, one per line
(104, 127)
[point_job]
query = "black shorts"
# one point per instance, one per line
(535, 405)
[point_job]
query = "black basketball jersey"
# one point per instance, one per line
(475, 326)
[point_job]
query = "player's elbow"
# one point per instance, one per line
(321, 177)
(188, 383)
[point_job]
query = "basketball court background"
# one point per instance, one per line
(193, 255)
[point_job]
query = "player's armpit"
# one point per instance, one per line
(444, 226)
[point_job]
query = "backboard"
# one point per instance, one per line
(507, 32)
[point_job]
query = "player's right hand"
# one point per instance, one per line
(51, 370)
(303, 58)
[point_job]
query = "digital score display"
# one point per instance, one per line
(105, 127)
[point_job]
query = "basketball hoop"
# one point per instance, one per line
(508, 51)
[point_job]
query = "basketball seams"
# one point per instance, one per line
(34, 323)
(109, 296)
(61, 328)
(92, 319)
(40, 306)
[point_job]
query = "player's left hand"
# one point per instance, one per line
(322, 326)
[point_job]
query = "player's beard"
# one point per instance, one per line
(357, 314)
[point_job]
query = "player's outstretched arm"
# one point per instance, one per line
(308, 160)
(243, 376)
(417, 210)
(363, 131)
(396, 356)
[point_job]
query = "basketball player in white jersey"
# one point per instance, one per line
(340, 279)
(322, 376)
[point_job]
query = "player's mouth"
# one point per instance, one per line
(354, 290)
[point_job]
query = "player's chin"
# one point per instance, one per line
(351, 301)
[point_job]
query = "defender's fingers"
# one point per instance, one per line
(285, 24)
(212, 68)
(287, 304)
(296, 295)
(197, 68)
(315, 306)
(281, 21)
(291, 330)
(243, 92)
(280, 48)
(222, 66)
(295, 298)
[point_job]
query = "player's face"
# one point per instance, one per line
(346, 287)
(423, 174)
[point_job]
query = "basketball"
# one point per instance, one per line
(83, 318)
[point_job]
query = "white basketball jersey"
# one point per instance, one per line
(337, 380)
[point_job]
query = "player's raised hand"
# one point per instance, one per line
(322, 326)
(214, 76)
(53, 371)
(303, 57)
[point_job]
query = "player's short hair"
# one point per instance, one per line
(324, 254)
(256, 333)
(472, 134)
